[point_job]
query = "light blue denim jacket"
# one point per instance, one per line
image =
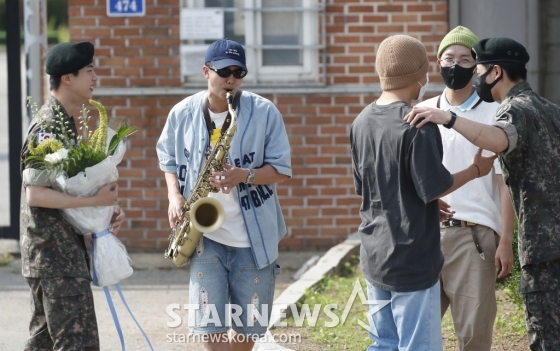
(260, 139)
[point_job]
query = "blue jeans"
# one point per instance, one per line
(227, 290)
(411, 322)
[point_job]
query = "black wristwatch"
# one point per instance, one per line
(452, 121)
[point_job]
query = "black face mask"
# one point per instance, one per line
(456, 77)
(483, 89)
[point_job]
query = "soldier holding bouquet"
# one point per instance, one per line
(55, 261)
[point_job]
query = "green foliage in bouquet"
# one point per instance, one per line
(58, 154)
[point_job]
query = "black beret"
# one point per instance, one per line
(499, 50)
(65, 58)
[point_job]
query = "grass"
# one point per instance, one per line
(350, 336)
(347, 335)
(6, 259)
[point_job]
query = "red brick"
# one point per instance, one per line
(155, 51)
(318, 99)
(335, 191)
(141, 21)
(319, 182)
(126, 31)
(109, 21)
(419, 28)
(93, 11)
(390, 8)
(336, 69)
(112, 82)
(304, 150)
(434, 18)
(334, 211)
(319, 160)
(419, 8)
(145, 42)
(333, 130)
(361, 69)
(155, 31)
(321, 221)
(305, 231)
(360, 8)
(142, 82)
(334, 171)
(349, 58)
(353, 221)
(306, 212)
(339, 19)
(97, 32)
(140, 61)
(126, 71)
(335, 230)
(346, 80)
(120, 51)
(361, 29)
(335, 150)
(335, 29)
(390, 28)
(112, 61)
(375, 18)
(404, 18)
(342, 39)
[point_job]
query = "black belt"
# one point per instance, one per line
(457, 223)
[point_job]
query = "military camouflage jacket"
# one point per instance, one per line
(49, 245)
(531, 169)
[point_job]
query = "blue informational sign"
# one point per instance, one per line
(126, 8)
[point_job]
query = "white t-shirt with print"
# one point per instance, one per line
(477, 201)
(232, 232)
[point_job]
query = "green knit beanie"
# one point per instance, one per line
(458, 36)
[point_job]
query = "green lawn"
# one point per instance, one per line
(509, 330)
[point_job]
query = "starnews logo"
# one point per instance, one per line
(306, 314)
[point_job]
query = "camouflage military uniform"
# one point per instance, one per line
(55, 263)
(532, 172)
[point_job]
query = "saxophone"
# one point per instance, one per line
(200, 213)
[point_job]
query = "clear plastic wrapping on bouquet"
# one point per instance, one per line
(110, 261)
(109, 256)
(87, 183)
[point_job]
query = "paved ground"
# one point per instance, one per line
(155, 284)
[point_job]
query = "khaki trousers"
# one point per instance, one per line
(468, 285)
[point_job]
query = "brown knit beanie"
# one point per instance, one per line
(401, 61)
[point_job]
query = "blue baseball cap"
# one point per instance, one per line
(224, 53)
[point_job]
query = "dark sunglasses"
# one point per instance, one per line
(225, 73)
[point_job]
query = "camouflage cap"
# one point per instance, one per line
(65, 58)
(499, 50)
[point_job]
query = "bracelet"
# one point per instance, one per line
(478, 169)
(250, 177)
(451, 121)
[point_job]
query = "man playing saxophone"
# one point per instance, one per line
(234, 265)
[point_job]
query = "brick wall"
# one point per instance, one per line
(319, 203)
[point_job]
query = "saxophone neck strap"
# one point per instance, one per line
(227, 122)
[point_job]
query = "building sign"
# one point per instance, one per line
(192, 59)
(202, 24)
(126, 8)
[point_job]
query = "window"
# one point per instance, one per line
(280, 37)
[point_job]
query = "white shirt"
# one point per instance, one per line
(478, 201)
(232, 232)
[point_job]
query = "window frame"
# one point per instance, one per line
(259, 74)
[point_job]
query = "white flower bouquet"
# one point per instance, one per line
(81, 170)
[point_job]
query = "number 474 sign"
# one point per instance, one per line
(126, 8)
